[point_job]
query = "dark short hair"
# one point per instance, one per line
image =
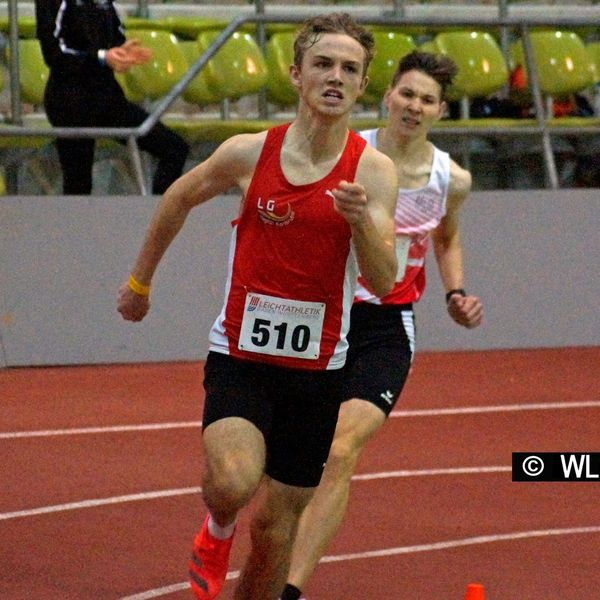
(312, 29)
(439, 67)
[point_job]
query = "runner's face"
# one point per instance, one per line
(414, 103)
(330, 78)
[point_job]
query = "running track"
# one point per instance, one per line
(100, 475)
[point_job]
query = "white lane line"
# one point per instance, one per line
(95, 502)
(98, 502)
(436, 412)
(111, 429)
(472, 541)
(428, 472)
(446, 545)
(171, 589)
(432, 412)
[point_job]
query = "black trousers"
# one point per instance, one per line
(84, 103)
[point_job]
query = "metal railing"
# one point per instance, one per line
(392, 19)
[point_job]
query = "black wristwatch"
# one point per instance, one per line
(456, 291)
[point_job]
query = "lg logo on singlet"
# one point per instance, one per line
(274, 214)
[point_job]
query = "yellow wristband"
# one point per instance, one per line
(137, 287)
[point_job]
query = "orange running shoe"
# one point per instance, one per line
(209, 563)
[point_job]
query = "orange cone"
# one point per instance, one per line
(475, 592)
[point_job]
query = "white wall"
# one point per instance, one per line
(532, 256)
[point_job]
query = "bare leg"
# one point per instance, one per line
(358, 420)
(272, 530)
(234, 463)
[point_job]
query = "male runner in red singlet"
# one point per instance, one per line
(382, 333)
(318, 205)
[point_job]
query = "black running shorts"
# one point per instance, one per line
(381, 341)
(295, 410)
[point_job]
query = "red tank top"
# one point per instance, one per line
(292, 269)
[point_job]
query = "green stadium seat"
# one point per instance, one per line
(429, 46)
(390, 47)
(132, 23)
(593, 51)
(33, 72)
(27, 27)
(238, 68)
(189, 28)
(482, 69)
(562, 62)
(564, 67)
(166, 67)
(279, 55)
(413, 31)
(132, 94)
(198, 90)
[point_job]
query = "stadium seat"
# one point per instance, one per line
(189, 28)
(132, 23)
(132, 94)
(198, 90)
(563, 68)
(413, 31)
(562, 62)
(593, 51)
(279, 55)
(166, 67)
(33, 72)
(390, 47)
(238, 68)
(27, 27)
(429, 46)
(482, 69)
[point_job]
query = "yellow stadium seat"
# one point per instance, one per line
(189, 28)
(26, 26)
(593, 51)
(238, 68)
(198, 90)
(561, 59)
(413, 31)
(166, 67)
(132, 23)
(390, 47)
(132, 94)
(279, 57)
(33, 72)
(564, 67)
(429, 46)
(482, 69)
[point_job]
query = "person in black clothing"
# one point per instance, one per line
(83, 43)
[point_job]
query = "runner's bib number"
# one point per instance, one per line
(282, 327)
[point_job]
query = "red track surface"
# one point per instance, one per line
(124, 548)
